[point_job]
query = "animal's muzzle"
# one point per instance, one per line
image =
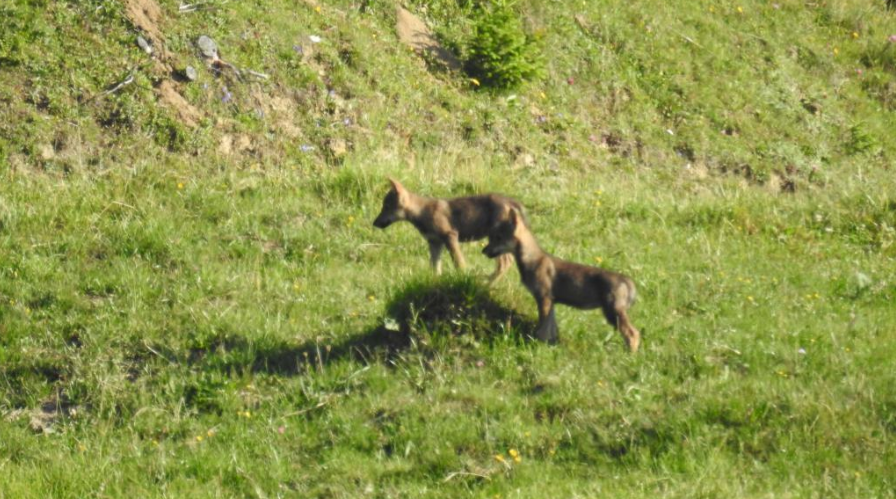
(382, 223)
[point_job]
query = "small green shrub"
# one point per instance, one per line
(501, 55)
(860, 141)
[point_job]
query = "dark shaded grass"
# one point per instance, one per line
(423, 318)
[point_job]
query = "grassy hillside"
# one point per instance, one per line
(193, 302)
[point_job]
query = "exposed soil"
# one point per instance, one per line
(145, 14)
(171, 98)
(413, 32)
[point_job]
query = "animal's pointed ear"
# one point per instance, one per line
(396, 185)
(400, 190)
(516, 217)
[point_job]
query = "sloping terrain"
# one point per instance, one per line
(193, 302)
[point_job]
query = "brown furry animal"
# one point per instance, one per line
(553, 280)
(448, 222)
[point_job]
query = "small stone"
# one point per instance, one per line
(144, 45)
(207, 47)
(190, 73)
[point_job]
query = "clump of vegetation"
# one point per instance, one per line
(501, 54)
(453, 307)
(860, 141)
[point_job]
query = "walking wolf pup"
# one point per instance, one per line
(448, 222)
(553, 280)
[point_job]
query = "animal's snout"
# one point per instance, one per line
(381, 222)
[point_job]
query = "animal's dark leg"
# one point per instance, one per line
(435, 256)
(547, 323)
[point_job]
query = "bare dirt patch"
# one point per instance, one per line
(282, 112)
(145, 14)
(225, 146)
(279, 110)
(171, 98)
(413, 32)
(230, 144)
(43, 419)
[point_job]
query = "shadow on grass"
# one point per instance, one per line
(425, 317)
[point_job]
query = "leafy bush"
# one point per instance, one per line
(860, 141)
(501, 55)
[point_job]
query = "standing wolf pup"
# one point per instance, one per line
(448, 222)
(552, 280)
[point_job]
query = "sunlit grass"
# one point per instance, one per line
(198, 321)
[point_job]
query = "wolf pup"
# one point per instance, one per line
(552, 280)
(448, 222)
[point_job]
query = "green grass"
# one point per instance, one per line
(159, 289)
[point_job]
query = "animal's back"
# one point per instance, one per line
(475, 216)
